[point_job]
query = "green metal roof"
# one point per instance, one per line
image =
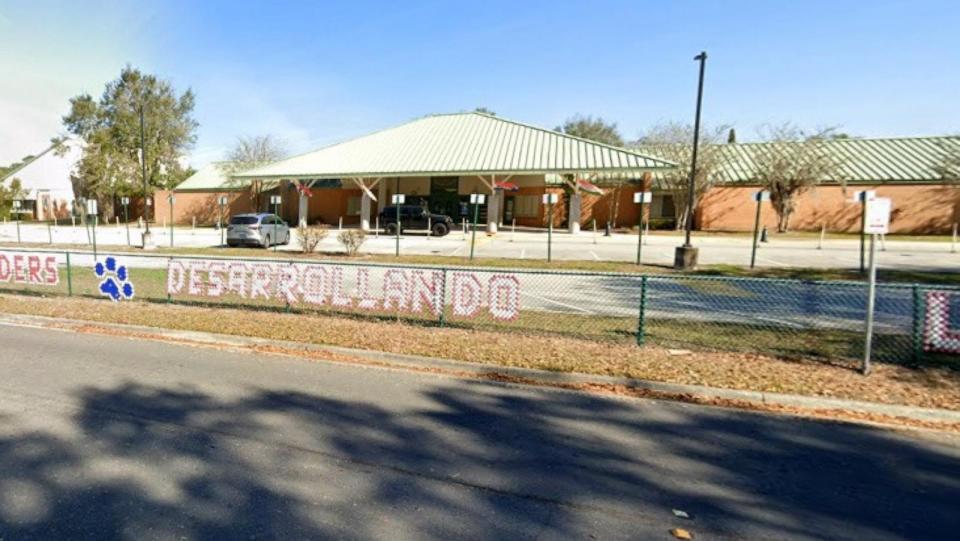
(458, 144)
(213, 177)
(865, 161)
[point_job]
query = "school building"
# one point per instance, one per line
(440, 160)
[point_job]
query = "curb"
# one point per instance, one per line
(400, 361)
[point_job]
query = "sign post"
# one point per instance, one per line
(275, 201)
(125, 201)
(876, 221)
(398, 199)
(862, 197)
(172, 200)
(476, 199)
(549, 199)
(92, 215)
(642, 198)
(17, 209)
(759, 197)
(223, 203)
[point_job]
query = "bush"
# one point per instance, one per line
(352, 240)
(310, 236)
(663, 223)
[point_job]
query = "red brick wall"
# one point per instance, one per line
(918, 209)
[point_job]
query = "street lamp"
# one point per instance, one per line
(685, 256)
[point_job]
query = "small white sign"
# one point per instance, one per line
(642, 197)
(16, 204)
(223, 200)
(549, 198)
(398, 199)
(91, 207)
(477, 198)
(149, 201)
(861, 196)
(124, 201)
(762, 195)
(171, 198)
(274, 199)
(876, 220)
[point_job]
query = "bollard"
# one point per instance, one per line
(646, 238)
(429, 227)
(763, 235)
(376, 227)
(340, 224)
(193, 226)
(823, 232)
(118, 222)
(883, 242)
(606, 232)
(50, 232)
(953, 240)
(594, 231)
(513, 229)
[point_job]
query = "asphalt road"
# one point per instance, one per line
(110, 438)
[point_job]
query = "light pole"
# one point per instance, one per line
(549, 199)
(17, 205)
(275, 200)
(143, 171)
(172, 200)
(476, 199)
(686, 255)
(759, 197)
(125, 201)
(398, 200)
(223, 203)
(642, 198)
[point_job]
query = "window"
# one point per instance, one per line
(353, 206)
(526, 206)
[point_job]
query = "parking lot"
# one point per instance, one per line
(842, 253)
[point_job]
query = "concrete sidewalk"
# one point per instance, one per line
(532, 244)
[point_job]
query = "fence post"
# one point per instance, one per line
(443, 297)
(918, 319)
(69, 276)
(641, 323)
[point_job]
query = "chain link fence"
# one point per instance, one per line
(790, 318)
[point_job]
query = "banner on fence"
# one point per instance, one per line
(29, 268)
(940, 334)
(371, 288)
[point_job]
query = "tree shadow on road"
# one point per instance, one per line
(460, 460)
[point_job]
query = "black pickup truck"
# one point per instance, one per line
(414, 217)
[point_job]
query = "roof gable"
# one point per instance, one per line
(462, 143)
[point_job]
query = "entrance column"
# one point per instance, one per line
(573, 220)
(365, 212)
(493, 212)
(303, 209)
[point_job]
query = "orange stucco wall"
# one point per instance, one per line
(916, 208)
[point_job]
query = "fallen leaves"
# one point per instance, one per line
(925, 387)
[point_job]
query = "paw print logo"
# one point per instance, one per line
(115, 282)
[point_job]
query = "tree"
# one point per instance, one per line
(250, 152)
(110, 130)
(673, 141)
(8, 193)
(595, 129)
(791, 162)
(732, 136)
(485, 111)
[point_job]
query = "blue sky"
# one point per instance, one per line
(313, 73)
